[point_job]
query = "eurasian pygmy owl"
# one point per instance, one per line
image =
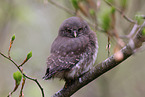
(73, 52)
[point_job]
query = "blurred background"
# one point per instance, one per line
(35, 24)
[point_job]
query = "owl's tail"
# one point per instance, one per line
(47, 75)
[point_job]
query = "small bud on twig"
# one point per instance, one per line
(17, 77)
(29, 55)
(11, 42)
(13, 37)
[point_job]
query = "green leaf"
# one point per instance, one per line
(29, 55)
(138, 18)
(92, 12)
(75, 4)
(106, 19)
(13, 37)
(17, 77)
(143, 31)
(113, 10)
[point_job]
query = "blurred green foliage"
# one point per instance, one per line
(143, 31)
(92, 12)
(139, 18)
(123, 3)
(75, 4)
(106, 19)
(111, 1)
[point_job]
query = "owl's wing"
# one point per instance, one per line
(57, 63)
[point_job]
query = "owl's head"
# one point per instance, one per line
(73, 27)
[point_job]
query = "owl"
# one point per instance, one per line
(73, 52)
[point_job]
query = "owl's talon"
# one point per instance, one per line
(68, 82)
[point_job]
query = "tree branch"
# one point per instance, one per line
(104, 66)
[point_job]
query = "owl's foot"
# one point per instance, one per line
(68, 83)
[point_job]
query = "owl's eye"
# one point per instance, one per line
(68, 30)
(80, 29)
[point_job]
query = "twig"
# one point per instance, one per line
(23, 83)
(21, 91)
(108, 46)
(122, 13)
(132, 31)
(35, 80)
(11, 42)
(130, 35)
(60, 6)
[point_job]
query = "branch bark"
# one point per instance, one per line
(104, 66)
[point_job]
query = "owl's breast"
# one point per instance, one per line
(87, 59)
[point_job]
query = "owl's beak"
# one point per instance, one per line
(75, 33)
